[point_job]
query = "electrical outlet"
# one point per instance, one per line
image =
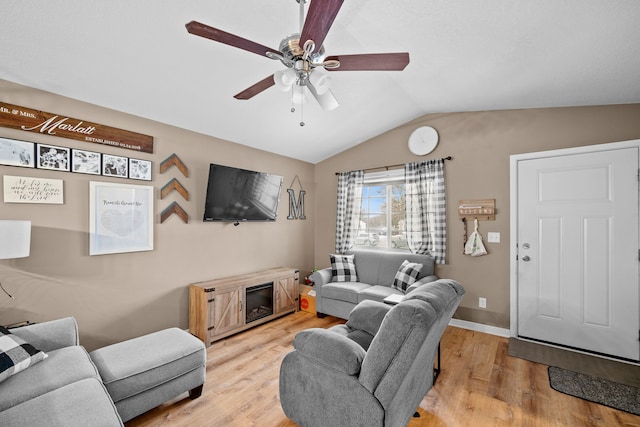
(493, 237)
(482, 302)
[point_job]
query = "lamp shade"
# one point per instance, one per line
(15, 239)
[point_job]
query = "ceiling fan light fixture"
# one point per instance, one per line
(320, 81)
(284, 79)
(298, 95)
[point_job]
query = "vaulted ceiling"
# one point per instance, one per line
(466, 55)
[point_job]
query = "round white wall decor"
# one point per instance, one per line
(423, 140)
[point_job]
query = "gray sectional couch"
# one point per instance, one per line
(71, 387)
(376, 270)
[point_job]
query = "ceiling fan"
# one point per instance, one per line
(303, 52)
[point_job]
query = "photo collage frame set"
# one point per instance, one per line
(52, 157)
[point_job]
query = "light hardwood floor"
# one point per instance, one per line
(480, 385)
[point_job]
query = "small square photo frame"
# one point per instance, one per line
(140, 169)
(83, 161)
(52, 157)
(115, 166)
(17, 153)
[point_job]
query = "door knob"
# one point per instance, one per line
(526, 258)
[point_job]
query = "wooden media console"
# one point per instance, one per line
(222, 307)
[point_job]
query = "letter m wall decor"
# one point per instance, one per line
(296, 210)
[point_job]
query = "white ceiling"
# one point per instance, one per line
(466, 55)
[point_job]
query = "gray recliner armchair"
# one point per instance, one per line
(374, 370)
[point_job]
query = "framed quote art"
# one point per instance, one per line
(120, 218)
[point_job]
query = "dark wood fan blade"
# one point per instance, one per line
(252, 91)
(371, 62)
(318, 21)
(217, 35)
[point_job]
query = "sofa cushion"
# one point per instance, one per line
(368, 316)
(377, 293)
(392, 260)
(330, 349)
(406, 275)
(361, 337)
(79, 404)
(62, 367)
(344, 291)
(343, 268)
(16, 354)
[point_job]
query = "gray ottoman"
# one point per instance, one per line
(145, 372)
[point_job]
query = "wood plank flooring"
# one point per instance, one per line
(480, 385)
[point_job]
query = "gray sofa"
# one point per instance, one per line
(374, 370)
(376, 270)
(70, 387)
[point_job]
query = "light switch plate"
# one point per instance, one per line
(493, 237)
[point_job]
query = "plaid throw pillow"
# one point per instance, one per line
(343, 268)
(406, 275)
(15, 354)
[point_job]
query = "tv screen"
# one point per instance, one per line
(235, 195)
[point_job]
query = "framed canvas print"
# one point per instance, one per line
(115, 166)
(120, 218)
(16, 153)
(53, 157)
(83, 161)
(140, 169)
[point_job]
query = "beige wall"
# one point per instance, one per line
(480, 144)
(118, 296)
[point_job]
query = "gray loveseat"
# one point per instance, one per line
(374, 370)
(376, 270)
(71, 387)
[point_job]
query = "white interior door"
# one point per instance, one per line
(578, 251)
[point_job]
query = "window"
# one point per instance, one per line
(372, 216)
(382, 211)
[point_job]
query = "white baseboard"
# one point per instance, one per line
(479, 327)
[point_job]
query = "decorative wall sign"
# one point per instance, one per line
(18, 189)
(174, 160)
(53, 157)
(174, 184)
(296, 209)
(29, 120)
(174, 208)
(16, 153)
(120, 218)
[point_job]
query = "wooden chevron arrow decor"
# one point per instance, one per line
(174, 208)
(174, 184)
(174, 160)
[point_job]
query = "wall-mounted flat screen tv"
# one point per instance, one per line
(236, 195)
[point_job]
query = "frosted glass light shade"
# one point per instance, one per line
(15, 239)
(284, 79)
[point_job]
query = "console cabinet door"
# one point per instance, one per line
(226, 311)
(286, 293)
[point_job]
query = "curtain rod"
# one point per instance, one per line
(394, 166)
